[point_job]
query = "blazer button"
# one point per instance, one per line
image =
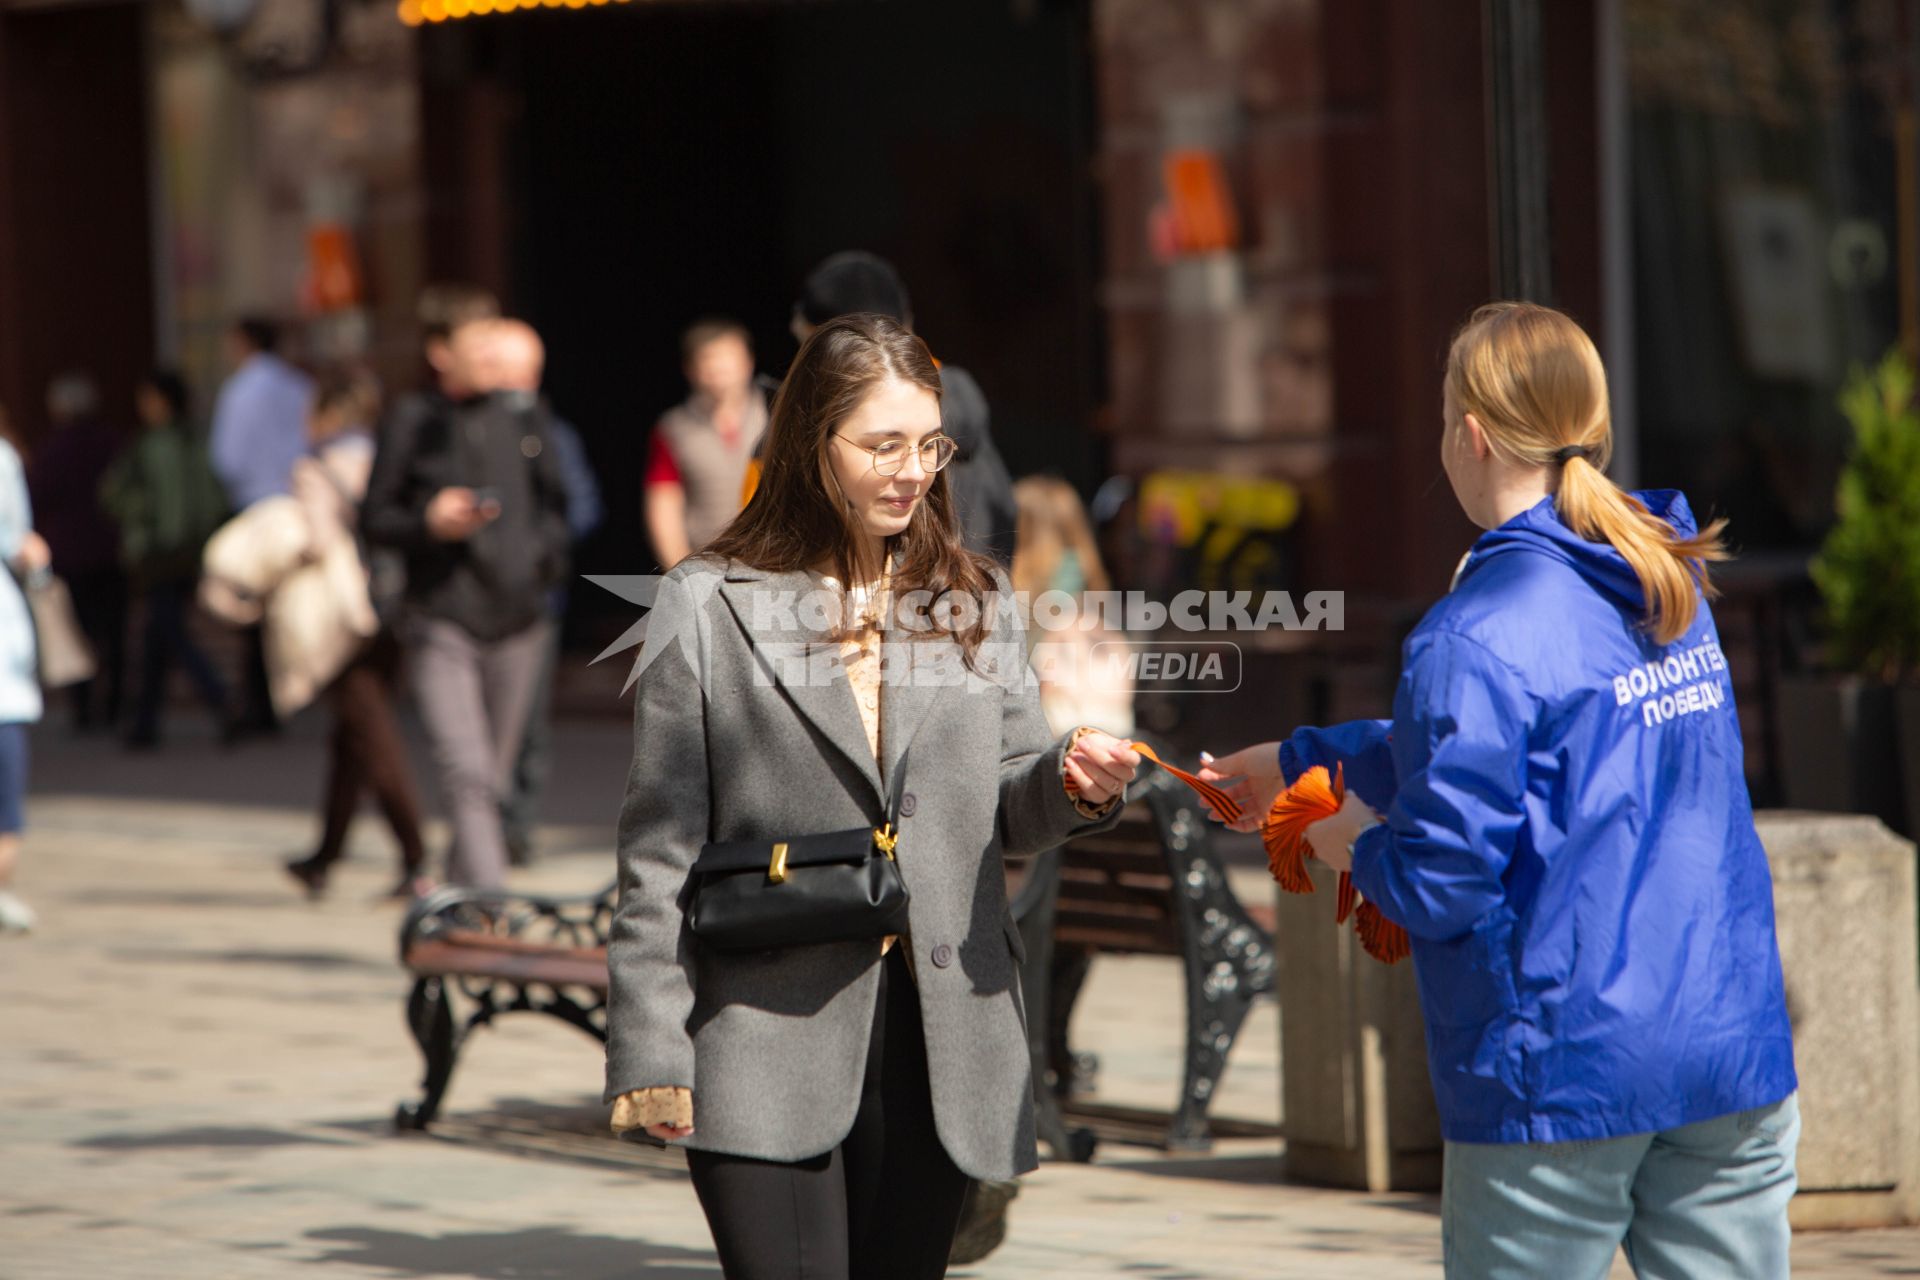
(942, 956)
(908, 804)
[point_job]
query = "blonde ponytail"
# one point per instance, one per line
(1670, 568)
(1534, 381)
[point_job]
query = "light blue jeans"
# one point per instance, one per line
(1700, 1202)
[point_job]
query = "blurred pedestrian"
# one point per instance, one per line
(698, 456)
(836, 1094)
(520, 361)
(466, 485)
(260, 417)
(259, 428)
(26, 554)
(856, 281)
(168, 502)
(64, 481)
(1055, 552)
(366, 751)
(440, 308)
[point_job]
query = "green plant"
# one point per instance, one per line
(1868, 570)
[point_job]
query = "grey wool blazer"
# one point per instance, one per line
(746, 729)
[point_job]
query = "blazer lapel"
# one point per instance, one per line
(914, 684)
(801, 661)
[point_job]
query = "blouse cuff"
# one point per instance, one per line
(665, 1104)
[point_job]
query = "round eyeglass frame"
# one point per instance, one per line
(945, 455)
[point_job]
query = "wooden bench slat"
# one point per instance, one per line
(482, 940)
(1114, 941)
(1097, 893)
(1108, 867)
(553, 966)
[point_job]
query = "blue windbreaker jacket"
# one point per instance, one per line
(1570, 844)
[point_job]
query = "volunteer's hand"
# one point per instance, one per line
(1100, 766)
(1331, 839)
(1251, 776)
(670, 1132)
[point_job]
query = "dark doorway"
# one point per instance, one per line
(661, 163)
(76, 268)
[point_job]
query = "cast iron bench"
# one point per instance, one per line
(1152, 885)
(498, 953)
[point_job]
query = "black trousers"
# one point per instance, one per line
(164, 642)
(100, 607)
(883, 1205)
(367, 752)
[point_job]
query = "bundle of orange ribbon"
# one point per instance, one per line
(1311, 798)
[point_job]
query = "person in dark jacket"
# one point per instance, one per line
(466, 487)
(1569, 842)
(522, 363)
(163, 492)
(855, 281)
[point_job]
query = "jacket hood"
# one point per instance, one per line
(1540, 530)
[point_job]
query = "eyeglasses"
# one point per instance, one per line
(889, 456)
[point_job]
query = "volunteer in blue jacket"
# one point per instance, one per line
(1569, 842)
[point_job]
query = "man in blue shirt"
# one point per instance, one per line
(259, 428)
(260, 417)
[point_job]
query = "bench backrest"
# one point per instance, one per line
(1117, 886)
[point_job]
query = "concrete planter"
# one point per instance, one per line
(1356, 1100)
(1844, 900)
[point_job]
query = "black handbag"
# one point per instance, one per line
(844, 886)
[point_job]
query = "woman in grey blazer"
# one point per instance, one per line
(835, 1098)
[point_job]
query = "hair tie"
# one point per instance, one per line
(1572, 451)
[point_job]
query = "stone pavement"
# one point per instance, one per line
(198, 1070)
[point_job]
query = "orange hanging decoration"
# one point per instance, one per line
(1343, 898)
(1382, 938)
(1313, 798)
(1310, 799)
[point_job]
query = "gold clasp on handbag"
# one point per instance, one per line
(885, 838)
(777, 869)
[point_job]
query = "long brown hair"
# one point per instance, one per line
(1534, 381)
(797, 516)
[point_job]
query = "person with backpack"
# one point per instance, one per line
(164, 495)
(467, 487)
